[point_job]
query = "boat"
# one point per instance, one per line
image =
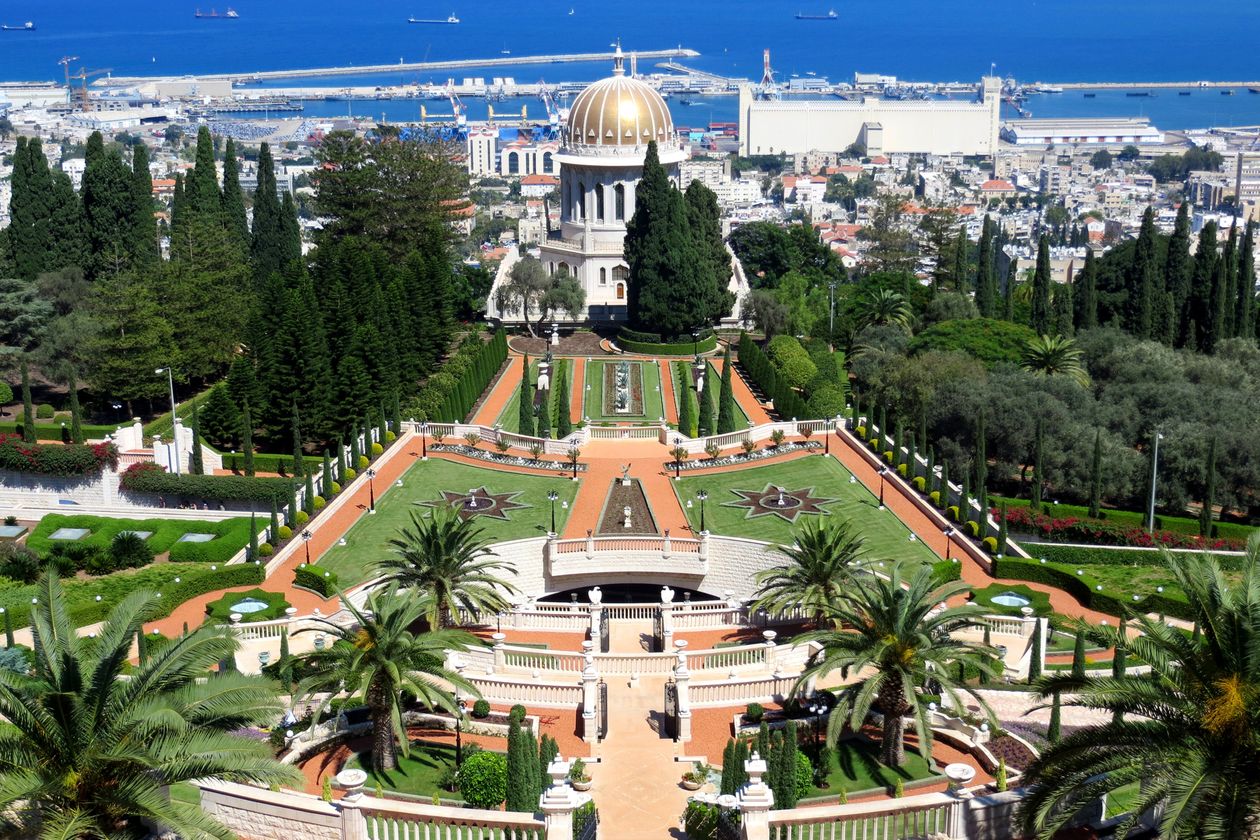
(1090, 95)
(26, 27)
(1253, 90)
(450, 19)
(230, 14)
(1227, 92)
(1183, 93)
(831, 15)
(571, 12)
(1137, 93)
(686, 102)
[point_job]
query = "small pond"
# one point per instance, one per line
(249, 605)
(1010, 599)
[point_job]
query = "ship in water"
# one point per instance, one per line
(831, 15)
(450, 19)
(230, 14)
(26, 27)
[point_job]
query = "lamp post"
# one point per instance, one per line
(882, 472)
(831, 323)
(170, 382)
(424, 441)
(460, 704)
(702, 495)
(816, 709)
(949, 541)
(552, 495)
(371, 474)
(1150, 522)
(695, 345)
(306, 541)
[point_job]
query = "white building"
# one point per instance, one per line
(481, 151)
(1073, 132)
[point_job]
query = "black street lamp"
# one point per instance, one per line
(695, 345)
(552, 495)
(702, 495)
(306, 541)
(424, 442)
(949, 541)
(460, 704)
(883, 472)
(371, 474)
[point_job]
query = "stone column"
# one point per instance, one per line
(771, 650)
(558, 802)
(596, 596)
(590, 699)
(755, 801)
(353, 824)
(500, 654)
(667, 618)
(704, 546)
(682, 677)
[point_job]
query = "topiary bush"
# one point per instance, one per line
(364, 461)
(990, 545)
(44, 411)
(148, 478)
(754, 712)
(318, 502)
(265, 550)
(377, 449)
(920, 483)
(481, 709)
(301, 517)
(483, 780)
(517, 713)
(316, 579)
(285, 532)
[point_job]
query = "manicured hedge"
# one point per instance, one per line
(220, 611)
(151, 479)
(57, 459)
(945, 571)
(1083, 588)
(315, 578)
(787, 403)
(267, 463)
(232, 535)
(1135, 519)
(1075, 529)
(1096, 556)
(85, 609)
(52, 431)
(450, 393)
(652, 344)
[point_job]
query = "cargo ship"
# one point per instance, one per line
(831, 15)
(230, 14)
(450, 19)
(26, 27)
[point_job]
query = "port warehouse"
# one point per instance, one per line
(798, 125)
(1081, 131)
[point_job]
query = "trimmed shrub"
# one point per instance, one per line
(285, 532)
(377, 449)
(316, 579)
(920, 483)
(301, 517)
(517, 713)
(652, 344)
(935, 498)
(481, 709)
(265, 550)
(1084, 589)
(351, 473)
(972, 527)
(18, 562)
(483, 780)
(129, 551)
(364, 461)
(754, 712)
(990, 545)
(44, 411)
(318, 502)
(951, 513)
(56, 459)
(221, 610)
(336, 488)
(150, 479)
(902, 469)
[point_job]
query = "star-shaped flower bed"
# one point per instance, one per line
(479, 502)
(780, 502)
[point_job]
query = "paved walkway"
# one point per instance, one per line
(605, 459)
(669, 396)
(504, 390)
(756, 412)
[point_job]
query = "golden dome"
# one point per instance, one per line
(618, 111)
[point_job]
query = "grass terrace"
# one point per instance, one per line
(417, 774)
(598, 406)
(367, 541)
(856, 767)
(1133, 518)
(886, 537)
(162, 535)
(509, 419)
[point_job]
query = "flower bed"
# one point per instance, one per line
(745, 457)
(67, 460)
(506, 460)
(1074, 529)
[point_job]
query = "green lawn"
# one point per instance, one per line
(1136, 519)
(885, 535)
(1122, 800)
(653, 404)
(1039, 601)
(366, 542)
(417, 774)
(856, 768)
(509, 419)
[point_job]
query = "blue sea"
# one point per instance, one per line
(930, 40)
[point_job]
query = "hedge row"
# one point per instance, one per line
(54, 431)
(264, 463)
(149, 478)
(57, 459)
(84, 609)
(1136, 518)
(450, 393)
(315, 578)
(1085, 589)
(231, 535)
(1071, 555)
(787, 403)
(1075, 529)
(628, 341)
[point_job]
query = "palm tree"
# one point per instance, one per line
(900, 636)
(446, 559)
(87, 754)
(820, 566)
(1189, 730)
(379, 657)
(883, 306)
(1055, 355)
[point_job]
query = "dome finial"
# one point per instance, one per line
(619, 61)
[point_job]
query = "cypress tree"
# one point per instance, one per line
(1229, 291)
(1038, 447)
(273, 533)
(247, 439)
(1199, 307)
(544, 416)
(1178, 271)
(705, 420)
(944, 485)
(325, 478)
(290, 230)
(196, 464)
(252, 552)
(517, 773)
(201, 190)
(1086, 298)
(1209, 490)
(1215, 328)
(67, 228)
(1095, 478)
(960, 260)
(564, 423)
(1008, 290)
(179, 207)
(686, 419)
(1063, 309)
(108, 208)
(1054, 731)
(76, 413)
(29, 209)
(28, 406)
(982, 471)
(397, 413)
(728, 768)
(382, 426)
(286, 662)
(1002, 528)
(763, 740)
(986, 279)
(525, 408)
(290, 513)
(1244, 318)
(726, 397)
(298, 464)
(355, 454)
(1143, 281)
(1041, 314)
(788, 777)
(266, 246)
(309, 500)
(1034, 661)
(144, 242)
(367, 437)
(1078, 655)
(232, 200)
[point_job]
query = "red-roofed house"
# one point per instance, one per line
(536, 186)
(997, 188)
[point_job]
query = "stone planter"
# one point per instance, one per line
(581, 785)
(688, 784)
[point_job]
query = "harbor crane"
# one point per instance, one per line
(65, 65)
(84, 100)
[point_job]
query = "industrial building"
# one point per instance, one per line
(1075, 132)
(881, 126)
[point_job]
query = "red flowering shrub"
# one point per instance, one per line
(1074, 529)
(55, 459)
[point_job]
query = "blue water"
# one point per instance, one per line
(1050, 40)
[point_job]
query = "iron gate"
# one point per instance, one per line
(658, 632)
(603, 710)
(603, 631)
(671, 709)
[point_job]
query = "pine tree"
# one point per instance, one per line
(1244, 308)
(76, 413)
(1209, 490)
(196, 464)
(232, 200)
(1054, 731)
(1063, 309)
(564, 423)
(1095, 478)
(28, 406)
(1078, 655)
(143, 241)
(1086, 300)
(986, 280)
(1038, 448)
(726, 397)
(1041, 314)
(247, 439)
(267, 247)
(525, 407)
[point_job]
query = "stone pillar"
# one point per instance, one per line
(667, 618)
(558, 802)
(704, 546)
(353, 825)
(771, 649)
(665, 551)
(682, 677)
(500, 654)
(590, 699)
(596, 597)
(755, 801)
(590, 544)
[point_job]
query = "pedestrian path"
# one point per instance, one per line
(605, 460)
(504, 390)
(669, 396)
(757, 413)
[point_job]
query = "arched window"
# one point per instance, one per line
(619, 202)
(514, 163)
(603, 277)
(562, 269)
(621, 291)
(581, 200)
(547, 164)
(599, 202)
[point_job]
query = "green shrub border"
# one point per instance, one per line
(630, 345)
(52, 431)
(154, 481)
(1094, 556)
(312, 577)
(1083, 588)
(220, 611)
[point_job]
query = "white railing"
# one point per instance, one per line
(631, 612)
(534, 659)
(509, 691)
(630, 664)
(455, 433)
(625, 432)
(741, 692)
(729, 659)
(672, 545)
(900, 819)
(388, 819)
(704, 615)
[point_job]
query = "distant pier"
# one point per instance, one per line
(407, 67)
(1148, 85)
